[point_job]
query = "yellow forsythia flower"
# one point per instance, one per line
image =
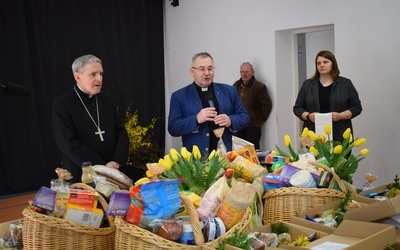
(286, 140)
(338, 149)
(185, 153)
(364, 152)
(346, 133)
(312, 135)
(196, 152)
(314, 151)
(327, 129)
(174, 154)
(360, 142)
(305, 132)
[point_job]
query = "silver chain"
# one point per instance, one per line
(97, 107)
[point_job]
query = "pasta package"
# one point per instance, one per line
(249, 169)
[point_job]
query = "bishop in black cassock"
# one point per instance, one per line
(75, 132)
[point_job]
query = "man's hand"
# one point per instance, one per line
(112, 164)
(206, 114)
(223, 120)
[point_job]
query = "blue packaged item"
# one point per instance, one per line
(271, 182)
(161, 200)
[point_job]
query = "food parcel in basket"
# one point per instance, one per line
(190, 199)
(317, 174)
(74, 209)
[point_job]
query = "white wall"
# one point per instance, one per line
(366, 46)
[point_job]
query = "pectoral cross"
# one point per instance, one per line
(100, 133)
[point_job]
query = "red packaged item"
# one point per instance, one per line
(84, 198)
(136, 206)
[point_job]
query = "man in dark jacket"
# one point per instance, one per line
(256, 100)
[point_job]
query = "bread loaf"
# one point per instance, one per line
(114, 176)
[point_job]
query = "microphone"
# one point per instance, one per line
(9, 88)
(210, 99)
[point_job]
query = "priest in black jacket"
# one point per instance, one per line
(86, 124)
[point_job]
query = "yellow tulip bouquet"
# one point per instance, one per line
(198, 171)
(334, 154)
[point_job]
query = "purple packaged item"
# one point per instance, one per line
(119, 203)
(45, 198)
(289, 170)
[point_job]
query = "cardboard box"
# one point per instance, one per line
(373, 190)
(294, 231)
(376, 211)
(92, 217)
(355, 235)
(301, 220)
(229, 247)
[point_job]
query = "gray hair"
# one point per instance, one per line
(248, 64)
(202, 55)
(80, 62)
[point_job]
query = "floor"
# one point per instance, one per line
(11, 207)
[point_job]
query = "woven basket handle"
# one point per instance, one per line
(335, 176)
(102, 201)
(194, 219)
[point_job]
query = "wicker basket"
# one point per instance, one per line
(129, 236)
(45, 232)
(281, 204)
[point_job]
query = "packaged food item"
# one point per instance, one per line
(105, 187)
(170, 229)
(161, 200)
(325, 179)
(62, 182)
(84, 198)
(212, 199)
(88, 174)
(187, 236)
(62, 198)
(235, 202)
(263, 241)
(136, 206)
(249, 169)
(12, 237)
(92, 217)
(119, 203)
(271, 181)
(45, 198)
(114, 176)
(302, 179)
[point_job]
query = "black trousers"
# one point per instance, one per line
(251, 134)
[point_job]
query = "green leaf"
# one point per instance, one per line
(281, 152)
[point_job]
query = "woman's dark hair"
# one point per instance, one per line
(330, 56)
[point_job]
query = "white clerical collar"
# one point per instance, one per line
(90, 96)
(204, 89)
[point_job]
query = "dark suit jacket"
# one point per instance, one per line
(186, 104)
(344, 96)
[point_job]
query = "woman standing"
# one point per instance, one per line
(327, 92)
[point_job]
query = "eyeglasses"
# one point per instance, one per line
(203, 70)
